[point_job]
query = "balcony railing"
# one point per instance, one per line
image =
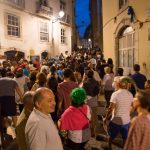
(66, 19)
(45, 11)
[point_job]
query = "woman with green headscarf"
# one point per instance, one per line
(75, 120)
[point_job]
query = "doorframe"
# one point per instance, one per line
(119, 29)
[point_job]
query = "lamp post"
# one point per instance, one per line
(61, 15)
(89, 43)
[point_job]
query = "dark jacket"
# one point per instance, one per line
(91, 87)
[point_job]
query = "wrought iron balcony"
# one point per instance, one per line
(66, 19)
(44, 10)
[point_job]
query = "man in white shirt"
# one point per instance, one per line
(119, 108)
(40, 131)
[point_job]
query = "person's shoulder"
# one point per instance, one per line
(68, 111)
(134, 75)
(142, 75)
(12, 81)
(117, 92)
(33, 118)
(138, 121)
(96, 82)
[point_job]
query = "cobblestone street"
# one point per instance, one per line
(94, 144)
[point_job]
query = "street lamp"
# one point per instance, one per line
(89, 40)
(61, 14)
(89, 43)
(55, 19)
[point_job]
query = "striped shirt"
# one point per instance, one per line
(122, 99)
(139, 134)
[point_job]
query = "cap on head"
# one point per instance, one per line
(78, 96)
(124, 81)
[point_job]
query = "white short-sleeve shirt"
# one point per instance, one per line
(122, 99)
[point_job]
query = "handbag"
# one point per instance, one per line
(86, 133)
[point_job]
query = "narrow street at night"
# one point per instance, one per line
(74, 75)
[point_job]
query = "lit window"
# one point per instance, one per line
(63, 37)
(122, 3)
(62, 6)
(44, 36)
(13, 25)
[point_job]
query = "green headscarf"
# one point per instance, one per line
(78, 96)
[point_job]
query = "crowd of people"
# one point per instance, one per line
(53, 103)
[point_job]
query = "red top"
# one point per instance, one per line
(74, 119)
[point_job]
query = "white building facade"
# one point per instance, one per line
(30, 27)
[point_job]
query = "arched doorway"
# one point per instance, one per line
(126, 49)
(14, 55)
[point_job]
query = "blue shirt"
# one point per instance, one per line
(60, 73)
(25, 72)
(139, 79)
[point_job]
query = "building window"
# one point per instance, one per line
(44, 35)
(127, 48)
(13, 25)
(17, 2)
(122, 3)
(62, 6)
(63, 37)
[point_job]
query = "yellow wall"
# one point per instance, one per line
(111, 10)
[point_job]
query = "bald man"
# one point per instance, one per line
(41, 132)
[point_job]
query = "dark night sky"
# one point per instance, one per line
(82, 14)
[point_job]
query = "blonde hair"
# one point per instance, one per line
(107, 70)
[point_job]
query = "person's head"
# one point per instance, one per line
(41, 79)
(52, 84)
(44, 100)
(120, 71)
(28, 100)
(66, 52)
(107, 70)
(90, 74)
(110, 61)
(147, 84)
(32, 76)
(67, 73)
(60, 67)
(3, 72)
(44, 70)
(142, 100)
(10, 75)
(124, 82)
(78, 97)
(136, 67)
(53, 69)
(19, 73)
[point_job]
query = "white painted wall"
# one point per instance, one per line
(30, 34)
